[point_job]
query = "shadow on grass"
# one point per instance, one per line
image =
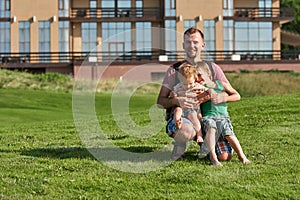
(132, 153)
(80, 152)
(59, 152)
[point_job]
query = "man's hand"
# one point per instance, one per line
(187, 102)
(217, 98)
(173, 94)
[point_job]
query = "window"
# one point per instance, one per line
(264, 8)
(63, 39)
(143, 38)
(107, 4)
(228, 35)
(116, 8)
(265, 3)
(63, 8)
(170, 36)
(5, 37)
(170, 8)
(24, 37)
(209, 34)
(108, 8)
(227, 7)
(93, 8)
(253, 36)
(4, 8)
(93, 3)
(116, 39)
(44, 40)
(89, 36)
(124, 3)
(189, 23)
(139, 8)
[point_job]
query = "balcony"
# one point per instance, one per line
(262, 14)
(141, 56)
(114, 14)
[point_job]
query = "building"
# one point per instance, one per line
(57, 35)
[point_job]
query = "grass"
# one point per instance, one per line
(260, 83)
(42, 155)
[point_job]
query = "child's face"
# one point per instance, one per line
(188, 82)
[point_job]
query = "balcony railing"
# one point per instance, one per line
(142, 56)
(104, 13)
(264, 12)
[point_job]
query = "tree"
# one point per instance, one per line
(293, 26)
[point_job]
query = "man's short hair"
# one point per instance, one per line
(193, 30)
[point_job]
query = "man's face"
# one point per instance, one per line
(193, 45)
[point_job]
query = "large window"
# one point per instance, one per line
(89, 36)
(4, 8)
(5, 37)
(253, 36)
(63, 8)
(24, 37)
(143, 38)
(44, 41)
(63, 39)
(228, 35)
(209, 34)
(116, 39)
(170, 36)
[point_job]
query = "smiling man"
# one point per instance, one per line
(193, 45)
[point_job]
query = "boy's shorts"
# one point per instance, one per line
(223, 127)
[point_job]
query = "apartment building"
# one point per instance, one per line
(64, 31)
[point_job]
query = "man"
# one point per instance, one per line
(193, 45)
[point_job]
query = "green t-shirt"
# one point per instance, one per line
(210, 109)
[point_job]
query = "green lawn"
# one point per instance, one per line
(42, 155)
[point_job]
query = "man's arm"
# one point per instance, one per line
(233, 95)
(229, 95)
(163, 99)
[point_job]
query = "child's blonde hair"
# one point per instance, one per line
(188, 71)
(203, 69)
(206, 74)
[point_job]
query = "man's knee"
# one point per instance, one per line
(188, 131)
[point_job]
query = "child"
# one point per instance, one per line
(188, 87)
(216, 123)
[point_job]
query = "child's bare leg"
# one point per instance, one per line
(177, 117)
(211, 141)
(234, 142)
(196, 123)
